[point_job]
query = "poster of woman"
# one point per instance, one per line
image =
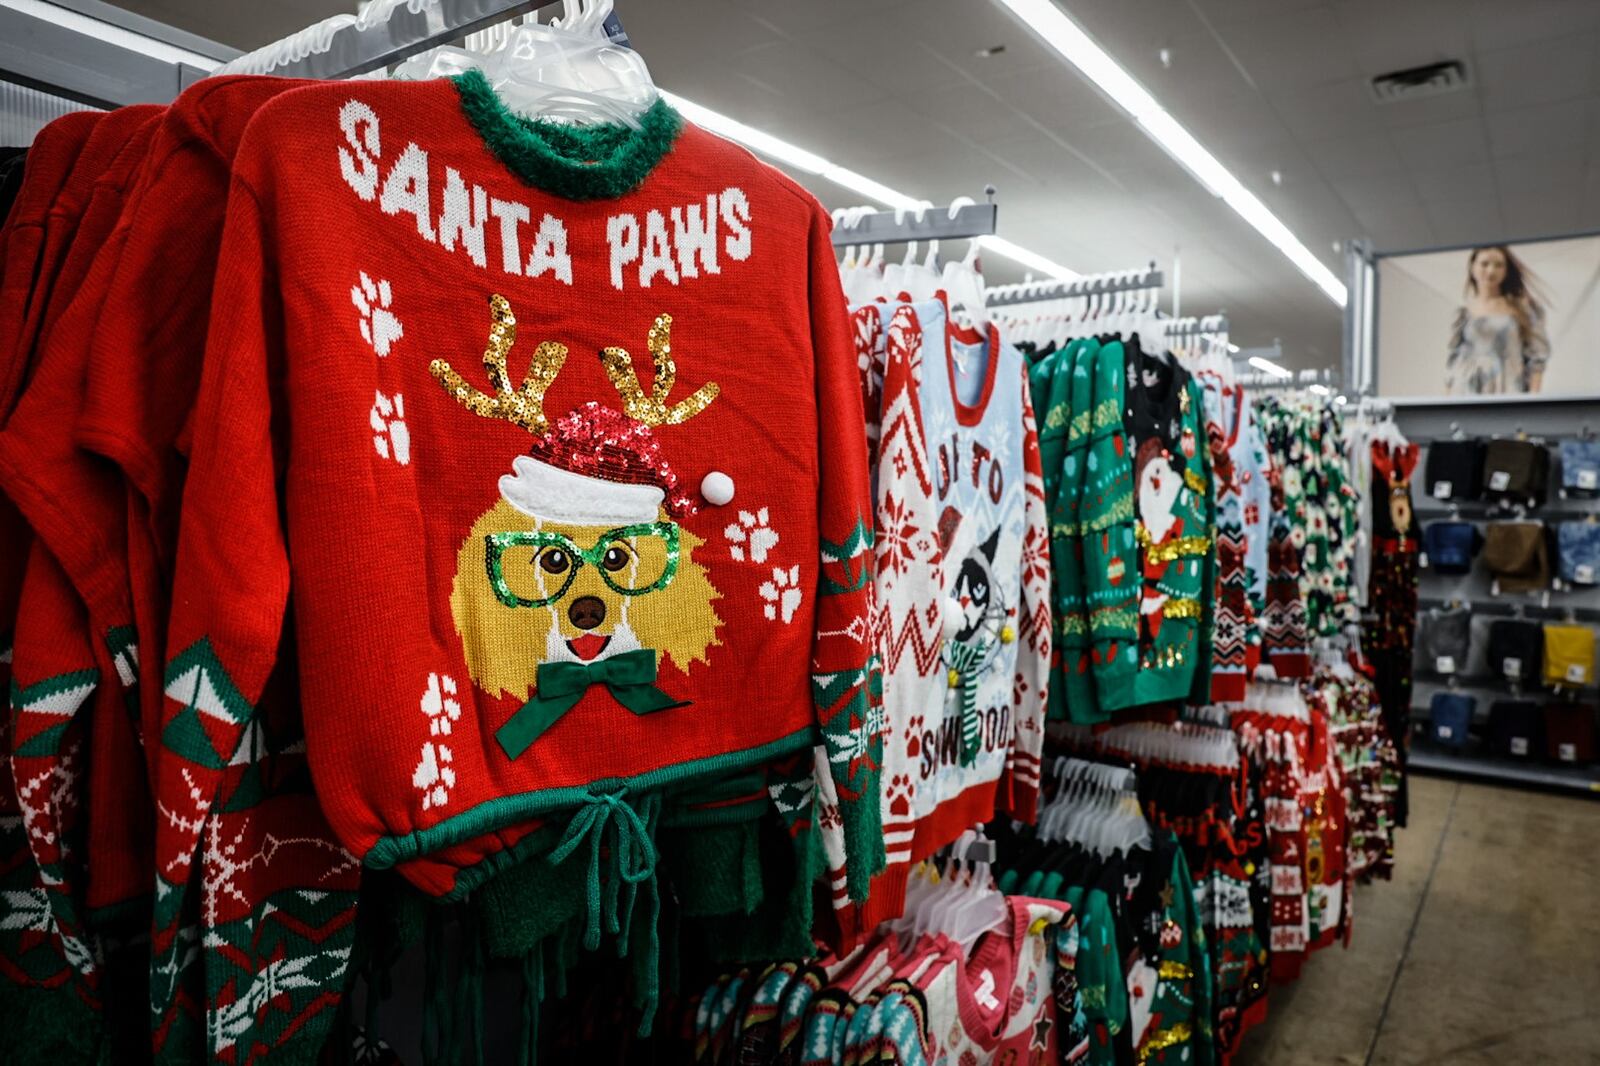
(1494, 320)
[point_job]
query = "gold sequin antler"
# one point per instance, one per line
(652, 410)
(523, 406)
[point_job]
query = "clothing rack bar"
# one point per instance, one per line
(100, 55)
(936, 224)
(344, 46)
(1088, 285)
(1194, 326)
(1301, 379)
(1532, 611)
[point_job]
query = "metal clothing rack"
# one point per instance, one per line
(1501, 609)
(387, 32)
(1088, 285)
(959, 221)
(1301, 379)
(100, 55)
(1194, 326)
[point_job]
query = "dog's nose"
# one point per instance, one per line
(587, 612)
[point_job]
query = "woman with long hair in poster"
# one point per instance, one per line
(1498, 343)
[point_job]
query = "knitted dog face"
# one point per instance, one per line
(582, 558)
(529, 591)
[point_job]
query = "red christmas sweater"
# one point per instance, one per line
(70, 744)
(426, 384)
(276, 891)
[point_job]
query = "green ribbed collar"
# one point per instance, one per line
(576, 162)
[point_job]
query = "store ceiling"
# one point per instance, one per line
(898, 90)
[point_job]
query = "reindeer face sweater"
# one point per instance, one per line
(510, 386)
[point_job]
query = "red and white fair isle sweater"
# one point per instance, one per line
(502, 392)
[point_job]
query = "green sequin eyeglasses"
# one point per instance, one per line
(533, 568)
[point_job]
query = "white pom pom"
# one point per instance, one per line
(717, 488)
(950, 617)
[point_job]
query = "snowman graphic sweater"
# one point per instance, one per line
(977, 750)
(499, 390)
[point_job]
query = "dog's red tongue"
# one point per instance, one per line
(588, 646)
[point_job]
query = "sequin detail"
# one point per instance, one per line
(1169, 550)
(1181, 609)
(1192, 478)
(523, 406)
(652, 410)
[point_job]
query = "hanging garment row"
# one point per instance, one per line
(509, 722)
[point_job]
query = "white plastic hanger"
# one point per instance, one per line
(963, 287)
(570, 70)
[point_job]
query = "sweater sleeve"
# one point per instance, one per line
(231, 578)
(846, 675)
(1200, 688)
(1020, 786)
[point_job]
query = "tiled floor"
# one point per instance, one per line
(1485, 948)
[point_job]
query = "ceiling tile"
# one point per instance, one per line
(1497, 24)
(1528, 177)
(1472, 181)
(656, 29)
(1387, 36)
(1429, 110)
(795, 74)
(1055, 96)
(1445, 144)
(1551, 213)
(1362, 154)
(1465, 221)
(1292, 49)
(1338, 109)
(1224, 13)
(1396, 224)
(1541, 73)
(1544, 128)
(972, 108)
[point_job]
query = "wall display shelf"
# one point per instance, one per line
(1549, 422)
(1471, 762)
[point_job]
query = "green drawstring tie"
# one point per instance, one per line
(611, 900)
(436, 1036)
(532, 996)
(633, 858)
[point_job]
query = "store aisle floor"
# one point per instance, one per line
(1481, 950)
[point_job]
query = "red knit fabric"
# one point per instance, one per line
(331, 291)
(75, 508)
(275, 891)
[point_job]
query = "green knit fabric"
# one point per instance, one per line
(715, 870)
(528, 902)
(576, 162)
(49, 1026)
(1131, 668)
(781, 926)
(1066, 535)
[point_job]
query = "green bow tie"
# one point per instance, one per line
(629, 677)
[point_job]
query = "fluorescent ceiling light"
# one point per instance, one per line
(1320, 389)
(1074, 45)
(759, 140)
(1014, 251)
(122, 38)
(1268, 366)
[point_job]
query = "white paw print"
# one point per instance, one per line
(434, 777)
(440, 705)
(389, 433)
(782, 593)
(379, 327)
(751, 534)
